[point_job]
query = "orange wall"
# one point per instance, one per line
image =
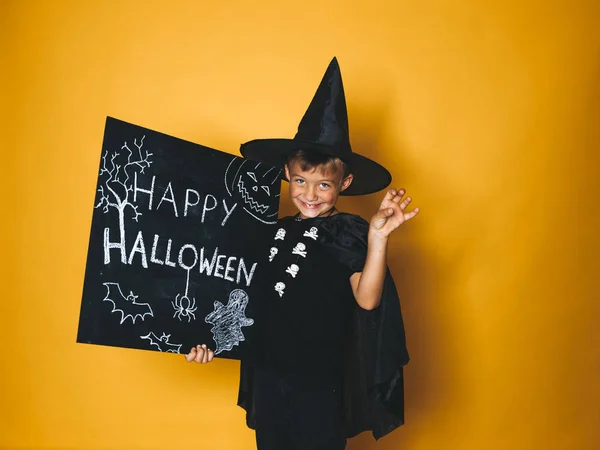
(488, 112)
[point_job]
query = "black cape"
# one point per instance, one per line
(376, 352)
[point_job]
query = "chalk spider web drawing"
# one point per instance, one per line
(162, 343)
(228, 320)
(252, 183)
(184, 307)
(116, 173)
(126, 305)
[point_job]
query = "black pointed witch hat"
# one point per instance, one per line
(324, 128)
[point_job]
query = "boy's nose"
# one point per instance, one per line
(311, 194)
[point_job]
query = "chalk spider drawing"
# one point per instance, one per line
(228, 321)
(184, 307)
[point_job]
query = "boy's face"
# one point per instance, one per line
(315, 191)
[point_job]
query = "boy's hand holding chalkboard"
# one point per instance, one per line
(200, 354)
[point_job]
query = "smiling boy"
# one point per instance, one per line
(328, 359)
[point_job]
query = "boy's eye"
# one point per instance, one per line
(325, 186)
(299, 181)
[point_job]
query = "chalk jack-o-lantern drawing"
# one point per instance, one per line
(254, 185)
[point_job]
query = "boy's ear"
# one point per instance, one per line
(287, 171)
(347, 182)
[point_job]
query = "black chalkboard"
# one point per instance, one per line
(179, 235)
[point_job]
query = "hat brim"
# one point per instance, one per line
(369, 176)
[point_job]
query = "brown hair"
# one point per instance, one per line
(310, 159)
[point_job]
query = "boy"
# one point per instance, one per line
(328, 359)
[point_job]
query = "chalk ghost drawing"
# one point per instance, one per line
(252, 184)
(126, 305)
(228, 320)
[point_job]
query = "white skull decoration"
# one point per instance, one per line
(299, 249)
(273, 252)
(279, 287)
(280, 235)
(312, 233)
(293, 270)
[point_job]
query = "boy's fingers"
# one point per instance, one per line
(387, 212)
(381, 217)
(399, 196)
(393, 196)
(389, 195)
(383, 214)
(405, 203)
(191, 355)
(411, 214)
(199, 354)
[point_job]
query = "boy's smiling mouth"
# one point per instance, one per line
(310, 205)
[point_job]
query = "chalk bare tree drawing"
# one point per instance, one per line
(117, 170)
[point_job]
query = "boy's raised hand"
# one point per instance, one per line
(392, 212)
(200, 354)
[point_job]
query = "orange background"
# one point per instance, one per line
(487, 112)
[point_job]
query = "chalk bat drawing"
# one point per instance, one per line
(228, 320)
(184, 307)
(162, 343)
(116, 172)
(251, 183)
(126, 305)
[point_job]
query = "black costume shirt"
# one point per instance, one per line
(306, 305)
(312, 328)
